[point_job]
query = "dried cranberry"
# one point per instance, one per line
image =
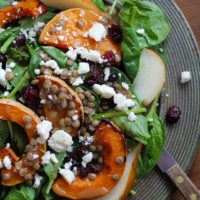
(173, 114)
(109, 103)
(109, 58)
(95, 75)
(80, 152)
(31, 97)
(82, 172)
(3, 59)
(19, 40)
(91, 168)
(113, 77)
(115, 33)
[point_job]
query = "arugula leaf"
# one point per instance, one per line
(18, 54)
(135, 15)
(21, 192)
(51, 170)
(137, 130)
(151, 152)
(100, 4)
(7, 33)
(30, 22)
(57, 55)
(4, 132)
(35, 59)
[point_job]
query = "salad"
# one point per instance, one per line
(79, 90)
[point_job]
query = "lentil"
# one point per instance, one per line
(70, 113)
(72, 105)
(95, 123)
(28, 126)
(64, 103)
(79, 90)
(91, 176)
(119, 160)
(29, 156)
(27, 119)
(115, 177)
(100, 160)
(54, 89)
(68, 121)
(99, 148)
(62, 123)
(75, 124)
(47, 84)
(23, 171)
(9, 76)
(35, 82)
(92, 148)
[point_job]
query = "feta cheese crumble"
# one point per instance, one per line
(3, 80)
(125, 86)
(37, 180)
(86, 140)
(61, 141)
(78, 81)
(43, 130)
(68, 175)
(122, 103)
(49, 157)
(132, 117)
(106, 73)
(7, 162)
(105, 91)
(140, 31)
(83, 68)
(87, 159)
(185, 76)
(97, 32)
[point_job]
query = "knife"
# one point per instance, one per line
(169, 166)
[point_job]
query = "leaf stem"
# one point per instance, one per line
(18, 86)
(113, 6)
(119, 113)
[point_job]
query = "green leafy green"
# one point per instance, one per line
(30, 22)
(18, 54)
(151, 152)
(137, 130)
(56, 55)
(3, 192)
(21, 192)
(99, 4)
(51, 170)
(7, 33)
(35, 59)
(136, 15)
(4, 132)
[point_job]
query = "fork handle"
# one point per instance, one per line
(182, 181)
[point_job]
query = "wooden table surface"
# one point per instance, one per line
(191, 10)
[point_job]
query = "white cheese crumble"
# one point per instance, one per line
(132, 117)
(68, 175)
(185, 76)
(105, 91)
(83, 68)
(140, 31)
(122, 103)
(106, 73)
(37, 71)
(97, 32)
(3, 80)
(37, 180)
(125, 86)
(87, 159)
(61, 141)
(78, 81)
(43, 130)
(71, 53)
(7, 162)
(6, 93)
(86, 140)
(49, 157)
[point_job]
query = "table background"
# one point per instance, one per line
(191, 10)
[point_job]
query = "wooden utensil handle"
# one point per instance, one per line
(182, 181)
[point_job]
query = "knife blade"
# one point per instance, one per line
(168, 165)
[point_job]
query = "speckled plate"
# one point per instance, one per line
(183, 137)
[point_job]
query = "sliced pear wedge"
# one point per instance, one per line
(66, 4)
(150, 77)
(123, 187)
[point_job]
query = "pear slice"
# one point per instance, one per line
(66, 4)
(150, 77)
(123, 187)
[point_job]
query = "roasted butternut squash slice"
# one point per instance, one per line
(13, 111)
(114, 147)
(68, 29)
(21, 9)
(61, 105)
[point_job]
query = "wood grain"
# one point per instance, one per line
(191, 10)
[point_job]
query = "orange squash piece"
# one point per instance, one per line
(73, 31)
(13, 111)
(21, 9)
(61, 114)
(113, 142)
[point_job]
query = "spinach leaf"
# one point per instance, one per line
(99, 4)
(136, 15)
(57, 55)
(51, 170)
(18, 54)
(137, 130)
(7, 33)
(151, 152)
(35, 59)
(21, 192)
(30, 22)
(4, 132)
